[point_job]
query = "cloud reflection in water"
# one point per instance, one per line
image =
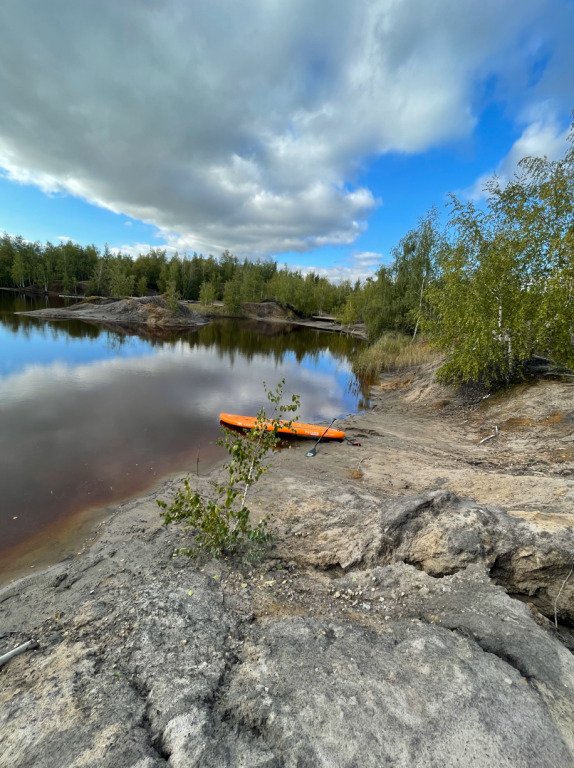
(84, 435)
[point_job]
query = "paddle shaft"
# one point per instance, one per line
(313, 450)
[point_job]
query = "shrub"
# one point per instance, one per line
(221, 523)
(392, 352)
(172, 297)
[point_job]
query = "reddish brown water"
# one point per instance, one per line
(89, 417)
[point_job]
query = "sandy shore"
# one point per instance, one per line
(418, 436)
(382, 607)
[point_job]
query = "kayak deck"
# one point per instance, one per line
(297, 428)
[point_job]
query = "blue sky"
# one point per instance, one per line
(314, 132)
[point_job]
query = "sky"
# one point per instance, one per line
(312, 132)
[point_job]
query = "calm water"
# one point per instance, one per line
(90, 416)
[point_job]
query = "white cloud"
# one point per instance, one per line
(359, 267)
(368, 259)
(137, 249)
(244, 125)
(177, 365)
(338, 273)
(544, 135)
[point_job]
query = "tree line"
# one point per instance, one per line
(197, 278)
(492, 288)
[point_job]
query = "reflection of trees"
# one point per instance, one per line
(76, 329)
(359, 389)
(250, 339)
(227, 338)
(116, 341)
(55, 329)
(11, 303)
(232, 337)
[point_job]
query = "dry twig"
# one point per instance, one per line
(489, 437)
(558, 595)
(31, 644)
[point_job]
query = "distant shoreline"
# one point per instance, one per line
(153, 312)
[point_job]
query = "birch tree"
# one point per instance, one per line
(505, 282)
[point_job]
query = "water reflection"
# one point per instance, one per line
(90, 416)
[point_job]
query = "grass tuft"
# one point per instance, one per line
(392, 352)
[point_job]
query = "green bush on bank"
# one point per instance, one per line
(221, 523)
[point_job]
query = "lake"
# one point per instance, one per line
(90, 416)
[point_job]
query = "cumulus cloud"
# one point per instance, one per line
(543, 135)
(359, 266)
(242, 125)
(367, 259)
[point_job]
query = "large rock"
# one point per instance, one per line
(128, 668)
(529, 554)
(469, 604)
(150, 312)
(321, 693)
(440, 533)
(146, 661)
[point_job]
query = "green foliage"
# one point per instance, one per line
(222, 523)
(232, 296)
(18, 271)
(481, 314)
(396, 300)
(207, 294)
(203, 278)
(172, 296)
(252, 281)
(149, 265)
(99, 281)
(350, 313)
(505, 281)
(121, 284)
(191, 277)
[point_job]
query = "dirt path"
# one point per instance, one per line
(421, 435)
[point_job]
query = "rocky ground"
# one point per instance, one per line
(148, 312)
(272, 311)
(405, 615)
(149, 315)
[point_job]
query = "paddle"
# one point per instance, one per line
(313, 450)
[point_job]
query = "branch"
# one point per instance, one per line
(256, 454)
(31, 644)
(558, 595)
(489, 437)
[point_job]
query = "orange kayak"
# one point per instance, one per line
(297, 428)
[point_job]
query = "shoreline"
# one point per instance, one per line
(150, 313)
(67, 542)
(46, 543)
(401, 430)
(504, 482)
(390, 586)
